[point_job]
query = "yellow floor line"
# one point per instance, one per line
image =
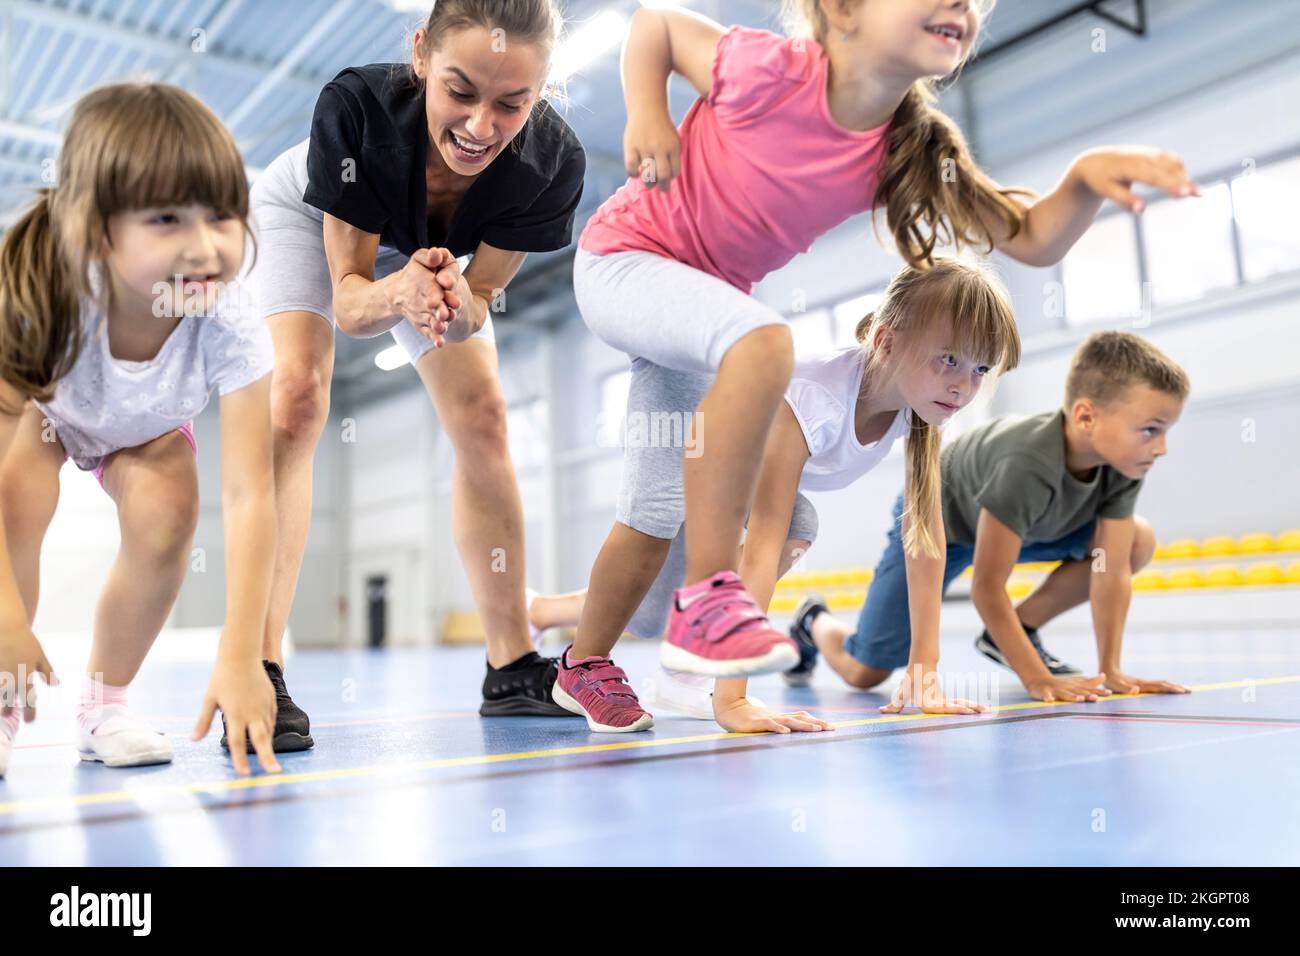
(317, 776)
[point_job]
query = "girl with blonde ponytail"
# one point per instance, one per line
(790, 137)
(119, 316)
(937, 336)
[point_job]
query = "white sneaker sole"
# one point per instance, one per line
(778, 659)
(701, 709)
(558, 694)
(142, 756)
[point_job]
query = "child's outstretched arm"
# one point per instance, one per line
(768, 530)
(21, 654)
(997, 548)
(920, 685)
(1053, 224)
(660, 43)
(1110, 590)
(239, 685)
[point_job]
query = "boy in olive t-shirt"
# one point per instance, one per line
(1059, 485)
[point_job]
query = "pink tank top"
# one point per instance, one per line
(765, 169)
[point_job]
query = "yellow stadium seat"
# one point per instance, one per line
(1257, 543)
(1218, 546)
(1269, 572)
(846, 600)
(1293, 573)
(1182, 549)
(1186, 578)
(1162, 552)
(783, 604)
(1223, 576)
(1149, 581)
(1289, 540)
(1019, 589)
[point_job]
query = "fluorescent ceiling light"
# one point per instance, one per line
(589, 42)
(392, 357)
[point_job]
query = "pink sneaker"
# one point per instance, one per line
(599, 691)
(716, 628)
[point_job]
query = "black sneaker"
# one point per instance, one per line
(984, 644)
(292, 728)
(801, 631)
(522, 689)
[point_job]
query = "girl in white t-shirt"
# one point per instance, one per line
(119, 315)
(922, 355)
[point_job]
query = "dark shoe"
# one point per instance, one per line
(522, 689)
(292, 728)
(801, 631)
(984, 644)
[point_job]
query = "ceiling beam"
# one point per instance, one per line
(82, 24)
(306, 44)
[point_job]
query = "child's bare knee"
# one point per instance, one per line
(864, 678)
(1144, 543)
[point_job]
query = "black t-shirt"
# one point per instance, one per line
(524, 201)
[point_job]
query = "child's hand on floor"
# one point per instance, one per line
(1068, 688)
(247, 699)
(920, 687)
(1125, 684)
(743, 716)
(21, 659)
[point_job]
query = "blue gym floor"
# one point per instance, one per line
(405, 772)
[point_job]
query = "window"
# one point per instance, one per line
(1189, 246)
(1100, 273)
(1267, 205)
(848, 314)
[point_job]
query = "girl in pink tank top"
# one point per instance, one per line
(790, 137)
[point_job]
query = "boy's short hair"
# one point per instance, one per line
(1107, 364)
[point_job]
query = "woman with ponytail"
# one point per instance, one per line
(790, 137)
(119, 316)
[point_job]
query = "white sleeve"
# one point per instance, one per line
(237, 346)
(820, 415)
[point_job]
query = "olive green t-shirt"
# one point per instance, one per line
(1015, 467)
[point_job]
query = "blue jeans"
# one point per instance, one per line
(884, 636)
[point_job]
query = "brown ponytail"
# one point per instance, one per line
(932, 191)
(39, 307)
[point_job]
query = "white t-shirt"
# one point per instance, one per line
(106, 404)
(823, 395)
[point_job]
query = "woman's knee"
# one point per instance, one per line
(300, 399)
(864, 677)
(478, 426)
